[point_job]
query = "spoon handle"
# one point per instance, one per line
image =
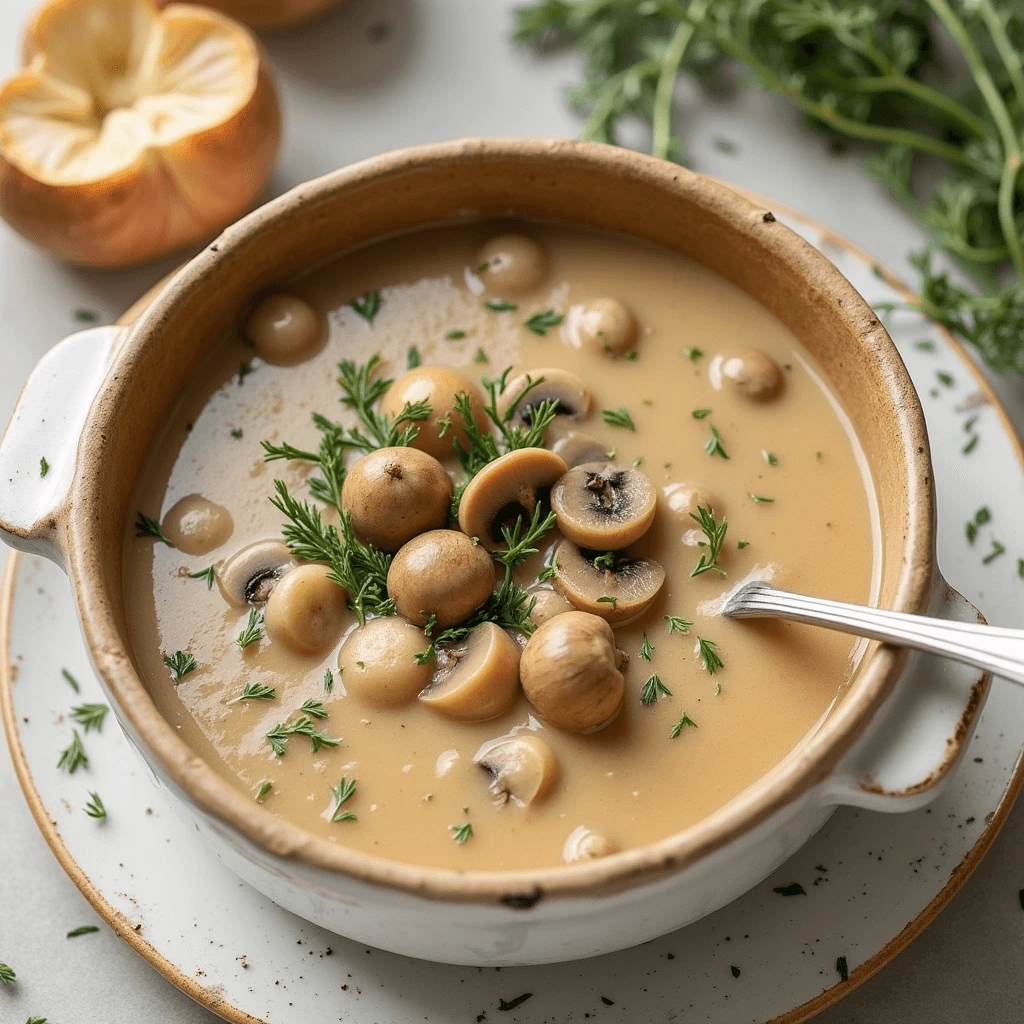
(995, 649)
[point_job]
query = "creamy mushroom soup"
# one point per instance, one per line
(555, 451)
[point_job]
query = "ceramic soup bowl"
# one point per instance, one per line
(99, 398)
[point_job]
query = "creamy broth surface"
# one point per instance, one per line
(631, 782)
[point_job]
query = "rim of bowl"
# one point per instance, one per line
(815, 755)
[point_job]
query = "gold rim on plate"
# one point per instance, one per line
(212, 1001)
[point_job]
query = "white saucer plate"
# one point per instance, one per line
(871, 882)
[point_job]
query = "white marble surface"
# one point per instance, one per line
(443, 69)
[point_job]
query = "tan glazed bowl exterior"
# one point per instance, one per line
(868, 751)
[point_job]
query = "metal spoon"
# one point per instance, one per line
(995, 649)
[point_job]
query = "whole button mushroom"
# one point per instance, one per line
(570, 672)
(249, 576)
(378, 662)
(682, 501)
(523, 768)
(475, 680)
(504, 489)
(606, 325)
(603, 506)
(306, 610)
(441, 573)
(437, 386)
(615, 587)
(196, 525)
(547, 604)
(284, 329)
(561, 386)
(511, 265)
(393, 494)
(754, 375)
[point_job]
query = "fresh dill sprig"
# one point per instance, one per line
(367, 306)
(265, 787)
(256, 691)
(715, 531)
(252, 631)
(302, 726)
(709, 658)
(646, 649)
(461, 833)
(90, 716)
(70, 680)
(314, 708)
(147, 527)
(619, 418)
(653, 689)
(73, 756)
(714, 446)
(7, 974)
(549, 572)
(209, 574)
(541, 323)
(685, 721)
(500, 306)
(328, 680)
(180, 663)
(677, 624)
(94, 808)
(84, 929)
(343, 792)
(520, 541)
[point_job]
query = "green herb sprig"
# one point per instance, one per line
(714, 530)
(343, 792)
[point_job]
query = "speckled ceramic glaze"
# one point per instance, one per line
(888, 744)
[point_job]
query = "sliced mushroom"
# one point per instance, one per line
(393, 494)
(441, 572)
(603, 506)
(475, 680)
(547, 604)
(606, 325)
(437, 386)
(249, 575)
(586, 844)
(754, 375)
(559, 386)
(306, 611)
(378, 662)
(617, 591)
(570, 672)
(505, 489)
(575, 448)
(523, 768)
(283, 329)
(511, 265)
(196, 525)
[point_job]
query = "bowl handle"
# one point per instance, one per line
(46, 424)
(920, 733)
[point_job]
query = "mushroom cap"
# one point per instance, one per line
(196, 525)
(393, 494)
(570, 672)
(437, 385)
(378, 662)
(523, 768)
(475, 680)
(603, 506)
(586, 844)
(575, 447)
(249, 576)
(547, 603)
(284, 329)
(440, 572)
(306, 610)
(606, 325)
(504, 489)
(754, 375)
(511, 265)
(132, 131)
(566, 388)
(268, 14)
(632, 585)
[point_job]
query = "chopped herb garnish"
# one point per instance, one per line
(500, 306)
(541, 323)
(632, 355)
(1020, 568)
(713, 445)
(513, 1003)
(653, 689)
(793, 889)
(252, 632)
(760, 499)
(480, 356)
(180, 663)
(607, 562)
(619, 418)
(86, 316)
(685, 721)
(548, 573)
(693, 354)
(302, 726)
(146, 527)
(925, 345)
(7, 975)
(236, 433)
(771, 458)
(970, 445)
(94, 808)
(85, 929)
(36, 1020)
(646, 649)
(367, 306)
(44, 467)
(945, 378)
(455, 335)
(709, 658)
(997, 550)
(328, 680)
(676, 624)
(699, 414)
(90, 716)
(637, 462)
(73, 756)
(607, 1001)
(983, 515)
(412, 358)
(265, 787)
(314, 708)
(608, 599)
(343, 792)
(257, 691)
(243, 371)
(70, 680)
(520, 542)
(741, 544)
(461, 834)
(209, 574)
(715, 531)
(842, 969)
